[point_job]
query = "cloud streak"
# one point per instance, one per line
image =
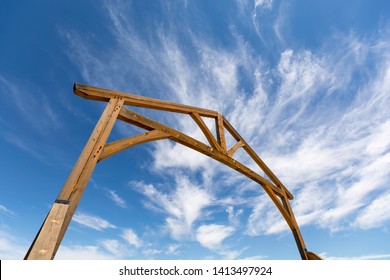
(80, 252)
(29, 101)
(92, 221)
(183, 205)
(131, 238)
(10, 246)
(6, 211)
(116, 198)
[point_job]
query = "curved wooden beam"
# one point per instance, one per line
(129, 116)
(113, 148)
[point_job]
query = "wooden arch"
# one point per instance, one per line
(50, 235)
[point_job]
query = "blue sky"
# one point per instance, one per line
(306, 83)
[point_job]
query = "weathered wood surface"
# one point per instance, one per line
(47, 239)
(74, 186)
(54, 227)
(95, 93)
(115, 147)
(313, 256)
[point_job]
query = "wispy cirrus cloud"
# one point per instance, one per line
(21, 142)
(263, 3)
(92, 221)
(30, 117)
(234, 216)
(365, 257)
(125, 244)
(264, 219)
(114, 247)
(10, 246)
(375, 214)
(131, 238)
(82, 252)
(28, 101)
(173, 249)
(118, 200)
(5, 210)
(339, 159)
(184, 205)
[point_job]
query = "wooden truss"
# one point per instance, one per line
(54, 226)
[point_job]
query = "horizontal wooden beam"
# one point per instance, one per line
(95, 93)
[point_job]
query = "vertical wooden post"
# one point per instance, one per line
(54, 227)
(220, 132)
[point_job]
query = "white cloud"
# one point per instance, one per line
(265, 219)
(256, 4)
(302, 75)
(91, 221)
(257, 257)
(211, 236)
(379, 140)
(173, 249)
(152, 252)
(364, 257)
(20, 143)
(82, 253)
(105, 249)
(116, 198)
(234, 216)
(5, 210)
(183, 205)
(310, 203)
(30, 134)
(28, 100)
(131, 238)
(263, 4)
(178, 228)
(334, 158)
(172, 155)
(114, 247)
(259, 5)
(11, 247)
(375, 214)
(230, 254)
